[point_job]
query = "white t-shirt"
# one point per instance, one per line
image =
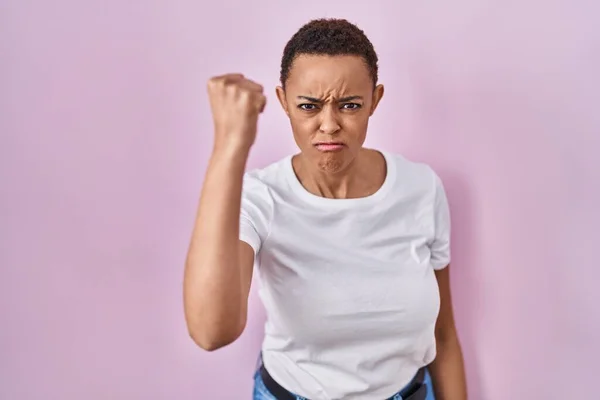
(348, 284)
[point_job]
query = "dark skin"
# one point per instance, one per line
(330, 99)
(447, 370)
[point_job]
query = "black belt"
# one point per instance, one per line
(415, 390)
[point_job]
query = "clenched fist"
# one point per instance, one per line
(236, 103)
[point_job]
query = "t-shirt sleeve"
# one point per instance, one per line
(440, 246)
(256, 211)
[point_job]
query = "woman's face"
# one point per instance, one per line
(329, 100)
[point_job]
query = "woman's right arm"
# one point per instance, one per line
(218, 269)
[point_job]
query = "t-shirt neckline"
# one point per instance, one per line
(309, 197)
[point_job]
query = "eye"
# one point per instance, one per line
(307, 106)
(351, 106)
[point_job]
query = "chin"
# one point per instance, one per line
(331, 162)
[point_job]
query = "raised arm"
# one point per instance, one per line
(218, 268)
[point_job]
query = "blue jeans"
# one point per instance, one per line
(262, 393)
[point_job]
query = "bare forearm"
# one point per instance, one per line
(447, 371)
(212, 283)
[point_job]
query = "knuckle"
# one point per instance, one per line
(245, 93)
(231, 89)
(246, 97)
(214, 84)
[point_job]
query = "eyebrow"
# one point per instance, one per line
(342, 100)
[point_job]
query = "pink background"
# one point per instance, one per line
(105, 134)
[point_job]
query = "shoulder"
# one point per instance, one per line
(414, 175)
(261, 184)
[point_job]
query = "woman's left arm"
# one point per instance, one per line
(447, 370)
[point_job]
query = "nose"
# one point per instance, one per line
(329, 121)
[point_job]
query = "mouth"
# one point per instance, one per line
(329, 146)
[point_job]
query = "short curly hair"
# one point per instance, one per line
(332, 37)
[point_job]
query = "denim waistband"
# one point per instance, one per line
(422, 378)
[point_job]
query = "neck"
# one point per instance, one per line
(362, 177)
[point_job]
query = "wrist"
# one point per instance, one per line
(231, 153)
(232, 143)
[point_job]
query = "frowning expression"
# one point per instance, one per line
(329, 100)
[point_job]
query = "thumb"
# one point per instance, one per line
(262, 102)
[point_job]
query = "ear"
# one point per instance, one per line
(377, 95)
(280, 91)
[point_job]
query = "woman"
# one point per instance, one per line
(351, 244)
